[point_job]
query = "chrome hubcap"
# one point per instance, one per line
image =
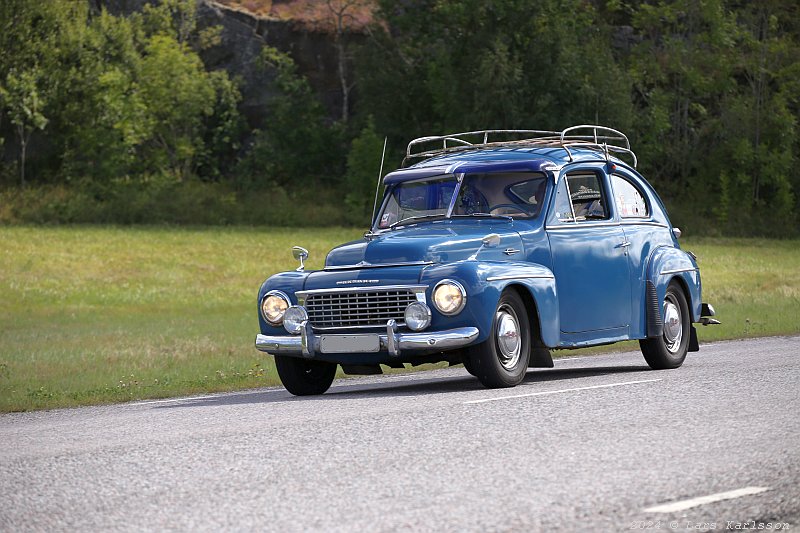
(508, 339)
(673, 324)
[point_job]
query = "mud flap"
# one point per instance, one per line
(655, 325)
(540, 358)
(694, 346)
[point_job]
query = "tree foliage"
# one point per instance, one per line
(708, 91)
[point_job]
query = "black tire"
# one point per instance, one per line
(303, 377)
(468, 364)
(495, 361)
(669, 350)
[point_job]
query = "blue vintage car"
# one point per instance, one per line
(494, 248)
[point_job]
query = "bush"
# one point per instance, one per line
(363, 164)
(164, 200)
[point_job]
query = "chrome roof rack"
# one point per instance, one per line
(605, 140)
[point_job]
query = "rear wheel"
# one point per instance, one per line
(502, 359)
(669, 350)
(302, 377)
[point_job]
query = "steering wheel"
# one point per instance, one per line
(515, 207)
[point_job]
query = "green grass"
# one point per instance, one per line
(94, 315)
(101, 314)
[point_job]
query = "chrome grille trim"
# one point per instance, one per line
(359, 307)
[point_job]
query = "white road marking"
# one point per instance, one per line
(545, 393)
(674, 507)
(170, 400)
(192, 398)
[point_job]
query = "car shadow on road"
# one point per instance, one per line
(415, 386)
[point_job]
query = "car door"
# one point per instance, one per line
(589, 253)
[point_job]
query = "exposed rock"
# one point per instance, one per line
(302, 28)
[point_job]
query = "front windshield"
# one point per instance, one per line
(420, 198)
(514, 194)
(509, 194)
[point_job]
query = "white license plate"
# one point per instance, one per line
(349, 343)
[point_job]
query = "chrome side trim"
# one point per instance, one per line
(364, 264)
(527, 276)
(307, 344)
(626, 222)
(578, 225)
(678, 271)
(629, 222)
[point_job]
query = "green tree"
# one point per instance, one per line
(441, 66)
(681, 70)
(25, 103)
(299, 145)
(180, 95)
(363, 165)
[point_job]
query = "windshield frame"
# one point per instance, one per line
(448, 214)
(388, 195)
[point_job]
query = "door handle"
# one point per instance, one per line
(510, 251)
(624, 244)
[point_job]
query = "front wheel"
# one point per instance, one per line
(669, 350)
(502, 359)
(302, 377)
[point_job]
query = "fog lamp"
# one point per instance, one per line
(293, 319)
(417, 316)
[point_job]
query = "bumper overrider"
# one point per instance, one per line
(309, 344)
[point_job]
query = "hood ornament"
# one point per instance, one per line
(301, 254)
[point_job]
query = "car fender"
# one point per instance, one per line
(287, 282)
(484, 282)
(665, 264)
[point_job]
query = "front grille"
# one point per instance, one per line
(358, 309)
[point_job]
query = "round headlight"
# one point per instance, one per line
(449, 297)
(417, 316)
(273, 306)
(293, 319)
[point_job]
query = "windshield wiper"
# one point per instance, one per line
(416, 217)
(485, 215)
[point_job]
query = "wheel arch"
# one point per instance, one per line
(665, 265)
(541, 308)
(485, 281)
(530, 305)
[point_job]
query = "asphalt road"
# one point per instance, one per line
(594, 444)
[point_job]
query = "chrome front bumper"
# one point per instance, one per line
(307, 343)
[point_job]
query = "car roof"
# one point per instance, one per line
(518, 159)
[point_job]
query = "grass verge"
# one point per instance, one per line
(94, 315)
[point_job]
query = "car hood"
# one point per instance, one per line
(431, 242)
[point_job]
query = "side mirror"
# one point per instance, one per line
(677, 232)
(301, 254)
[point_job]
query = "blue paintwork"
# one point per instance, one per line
(585, 287)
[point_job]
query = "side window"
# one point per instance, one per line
(629, 199)
(563, 208)
(587, 196)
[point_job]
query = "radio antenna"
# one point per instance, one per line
(378, 188)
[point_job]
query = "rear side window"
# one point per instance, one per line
(629, 199)
(581, 197)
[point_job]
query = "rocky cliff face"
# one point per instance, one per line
(307, 36)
